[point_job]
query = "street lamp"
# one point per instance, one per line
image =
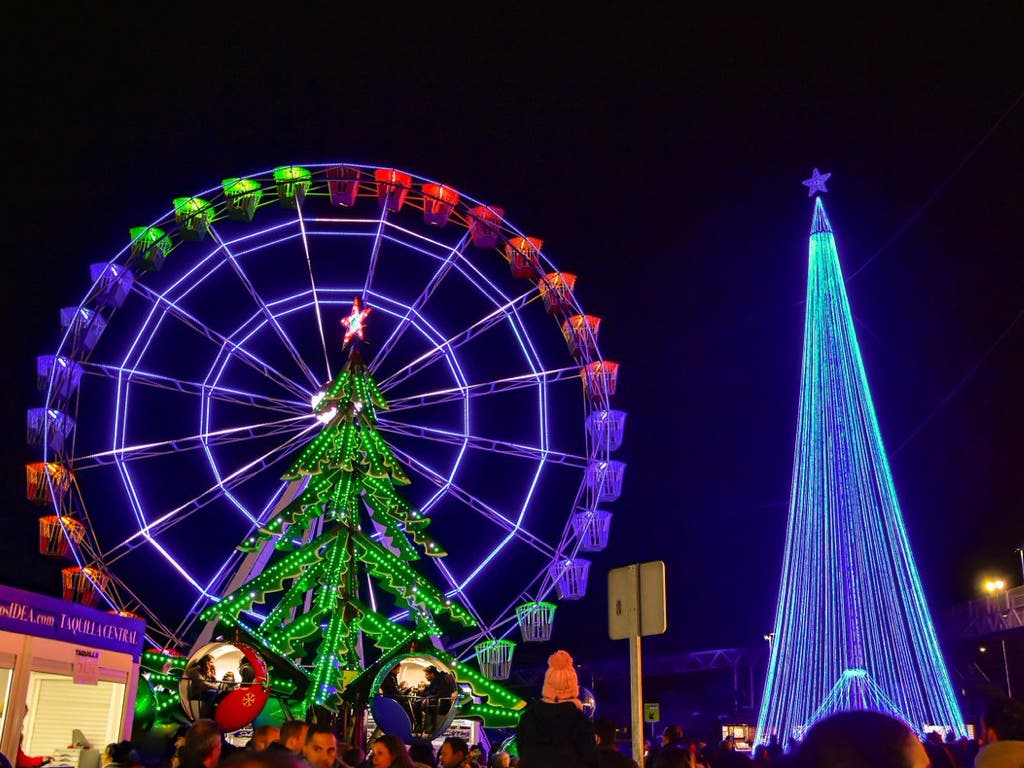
(992, 586)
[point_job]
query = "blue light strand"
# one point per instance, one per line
(852, 630)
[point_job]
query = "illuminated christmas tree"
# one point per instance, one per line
(852, 630)
(351, 478)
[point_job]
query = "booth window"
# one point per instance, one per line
(6, 673)
(56, 706)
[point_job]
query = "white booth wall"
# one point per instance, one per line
(42, 702)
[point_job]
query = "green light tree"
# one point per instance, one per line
(352, 477)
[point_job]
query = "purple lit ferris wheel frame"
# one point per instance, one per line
(285, 397)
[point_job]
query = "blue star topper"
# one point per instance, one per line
(816, 183)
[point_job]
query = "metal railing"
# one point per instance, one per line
(998, 612)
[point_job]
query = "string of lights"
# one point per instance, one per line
(852, 629)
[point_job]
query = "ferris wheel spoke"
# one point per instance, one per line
(470, 271)
(465, 267)
(213, 588)
(89, 544)
(196, 389)
(316, 298)
(188, 443)
(497, 630)
(375, 252)
(247, 357)
(497, 386)
(456, 252)
(135, 605)
(473, 502)
(482, 443)
(207, 496)
(239, 566)
(265, 310)
(451, 344)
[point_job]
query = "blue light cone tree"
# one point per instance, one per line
(852, 629)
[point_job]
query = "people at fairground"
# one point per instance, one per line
(23, 760)
(352, 756)
(321, 747)
(1002, 728)
(263, 737)
(119, 755)
(391, 687)
(292, 737)
(477, 756)
(861, 739)
(553, 732)
(203, 745)
(263, 759)
(390, 752)
(434, 701)
(422, 754)
(454, 753)
(608, 754)
(675, 749)
(204, 689)
(30, 761)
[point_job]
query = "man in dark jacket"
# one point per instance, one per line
(436, 700)
(608, 755)
(292, 737)
(673, 744)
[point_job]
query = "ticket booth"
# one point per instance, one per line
(68, 675)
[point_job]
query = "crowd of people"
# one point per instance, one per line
(297, 744)
(860, 739)
(554, 732)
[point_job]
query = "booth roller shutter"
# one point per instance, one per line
(57, 706)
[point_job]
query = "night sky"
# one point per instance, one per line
(660, 158)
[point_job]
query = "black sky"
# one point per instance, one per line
(660, 156)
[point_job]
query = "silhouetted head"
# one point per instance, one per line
(604, 727)
(671, 733)
(861, 739)
(1004, 721)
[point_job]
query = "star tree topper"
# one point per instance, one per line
(355, 323)
(816, 183)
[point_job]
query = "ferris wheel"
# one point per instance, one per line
(186, 380)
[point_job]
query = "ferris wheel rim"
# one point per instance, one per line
(205, 432)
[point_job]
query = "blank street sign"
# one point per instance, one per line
(636, 600)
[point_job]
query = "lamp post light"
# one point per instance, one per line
(992, 586)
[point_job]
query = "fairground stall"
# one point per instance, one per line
(64, 668)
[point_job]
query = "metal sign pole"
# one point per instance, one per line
(636, 698)
(636, 607)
